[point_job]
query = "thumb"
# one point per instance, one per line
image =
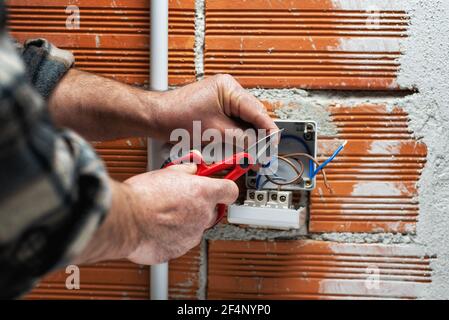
(185, 167)
(226, 191)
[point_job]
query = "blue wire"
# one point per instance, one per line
(311, 174)
(258, 176)
(258, 181)
(325, 163)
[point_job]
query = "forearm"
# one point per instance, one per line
(104, 109)
(116, 237)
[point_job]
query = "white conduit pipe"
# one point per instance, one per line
(158, 82)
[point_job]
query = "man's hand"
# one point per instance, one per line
(158, 216)
(219, 102)
(104, 109)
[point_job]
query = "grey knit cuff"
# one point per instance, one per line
(45, 64)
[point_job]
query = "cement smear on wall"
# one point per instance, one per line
(234, 232)
(425, 66)
(296, 104)
(199, 38)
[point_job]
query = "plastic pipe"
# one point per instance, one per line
(159, 45)
(158, 82)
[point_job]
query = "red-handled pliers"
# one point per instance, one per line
(239, 164)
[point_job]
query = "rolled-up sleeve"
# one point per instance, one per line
(45, 64)
(54, 190)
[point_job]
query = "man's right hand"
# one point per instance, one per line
(159, 215)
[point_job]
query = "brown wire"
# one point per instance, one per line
(299, 173)
(300, 154)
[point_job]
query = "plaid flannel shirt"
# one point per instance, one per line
(54, 190)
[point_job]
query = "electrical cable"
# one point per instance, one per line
(304, 144)
(258, 176)
(299, 154)
(296, 179)
(299, 173)
(292, 137)
(325, 163)
(290, 163)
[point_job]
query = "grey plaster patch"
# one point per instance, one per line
(309, 111)
(425, 66)
(202, 275)
(296, 104)
(234, 232)
(199, 38)
(384, 238)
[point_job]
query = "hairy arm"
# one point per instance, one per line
(115, 238)
(103, 109)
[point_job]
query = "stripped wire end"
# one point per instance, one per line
(330, 159)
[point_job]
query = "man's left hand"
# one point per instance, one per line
(219, 102)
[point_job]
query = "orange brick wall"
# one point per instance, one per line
(307, 269)
(307, 44)
(374, 179)
(270, 44)
(113, 35)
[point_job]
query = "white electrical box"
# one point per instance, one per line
(297, 137)
(278, 206)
